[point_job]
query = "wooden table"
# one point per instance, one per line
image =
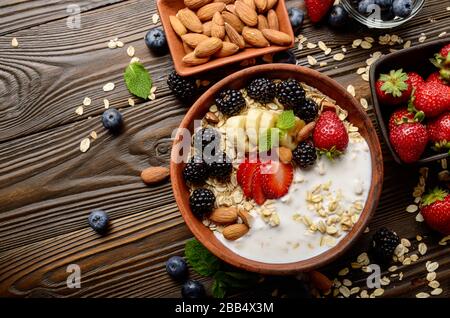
(48, 187)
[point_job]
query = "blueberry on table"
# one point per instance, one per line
(193, 289)
(99, 221)
(156, 41)
(177, 268)
(285, 57)
(338, 16)
(112, 120)
(296, 16)
(402, 8)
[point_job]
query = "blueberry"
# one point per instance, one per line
(296, 16)
(363, 6)
(285, 57)
(338, 16)
(384, 4)
(177, 268)
(193, 289)
(99, 220)
(402, 8)
(387, 15)
(112, 120)
(156, 41)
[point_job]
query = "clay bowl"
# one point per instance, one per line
(167, 8)
(356, 115)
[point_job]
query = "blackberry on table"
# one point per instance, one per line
(384, 242)
(182, 87)
(195, 171)
(290, 93)
(307, 111)
(230, 102)
(262, 90)
(201, 202)
(219, 166)
(305, 154)
(205, 137)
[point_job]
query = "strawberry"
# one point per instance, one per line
(257, 187)
(276, 179)
(432, 98)
(442, 61)
(409, 141)
(435, 209)
(246, 177)
(318, 9)
(436, 78)
(330, 135)
(400, 116)
(393, 88)
(415, 79)
(439, 131)
(445, 50)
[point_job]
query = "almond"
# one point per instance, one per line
(234, 36)
(320, 281)
(224, 215)
(227, 50)
(250, 3)
(231, 8)
(277, 37)
(246, 13)
(207, 27)
(193, 39)
(207, 12)
(190, 20)
(261, 5)
(191, 60)
(235, 231)
(224, 1)
(305, 132)
(218, 19)
(262, 22)
(254, 37)
(245, 217)
(187, 48)
(271, 4)
(177, 26)
(208, 47)
(218, 26)
(154, 175)
(272, 19)
(233, 20)
(195, 4)
(285, 154)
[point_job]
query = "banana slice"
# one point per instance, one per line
(288, 139)
(252, 125)
(235, 131)
(268, 120)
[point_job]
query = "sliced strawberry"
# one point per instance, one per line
(241, 171)
(277, 178)
(257, 188)
(247, 177)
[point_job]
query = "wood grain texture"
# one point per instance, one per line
(48, 187)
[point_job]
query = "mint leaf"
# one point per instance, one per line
(286, 120)
(138, 80)
(201, 260)
(218, 289)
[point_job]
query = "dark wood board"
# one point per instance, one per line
(48, 187)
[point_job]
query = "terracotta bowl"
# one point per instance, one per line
(356, 115)
(167, 8)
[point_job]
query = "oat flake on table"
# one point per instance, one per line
(108, 87)
(14, 42)
(85, 144)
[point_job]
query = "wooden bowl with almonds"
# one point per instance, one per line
(204, 34)
(354, 114)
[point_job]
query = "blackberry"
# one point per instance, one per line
(205, 137)
(290, 93)
(230, 102)
(219, 166)
(307, 111)
(195, 171)
(201, 202)
(305, 154)
(262, 90)
(182, 87)
(384, 242)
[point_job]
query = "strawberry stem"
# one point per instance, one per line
(437, 194)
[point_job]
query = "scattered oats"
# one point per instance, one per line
(311, 60)
(112, 44)
(131, 102)
(436, 292)
(79, 110)
(322, 64)
(322, 46)
(365, 77)
(351, 90)
(364, 294)
(106, 103)
(155, 18)
(432, 267)
(407, 44)
(356, 43)
(348, 282)
(366, 45)
(85, 144)
(405, 242)
(14, 42)
(419, 217)
(134, 60)
(344, 271)
(369, 39)
(355, 290)
(364, 103)
(422, 37)
(434, 284)
(414, 257)
(431, 276)
(93, 135)
(448, 8)
(412, 208)
(131, 51)
(108, 87)
(385, 281)
(310, 45)
(338, 57)
(344, 291)
(367, 230)
(406, 261)
(422, 248)
(393, 268)
(444, 240)
(300, 46)
(87, 101)
(152, 93)
(419, 238)
(120, 44)
(378, 292)
(361, 70)
(422, 295)
(327, 51)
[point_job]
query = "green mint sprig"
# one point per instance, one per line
(138, 80)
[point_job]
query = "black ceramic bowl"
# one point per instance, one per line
(414, 59)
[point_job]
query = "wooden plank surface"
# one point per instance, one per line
(48, 187)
